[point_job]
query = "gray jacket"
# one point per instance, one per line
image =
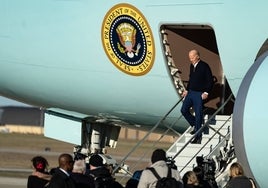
(148, 180)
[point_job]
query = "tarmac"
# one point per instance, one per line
(13, 182)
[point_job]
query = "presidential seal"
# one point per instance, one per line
(127, 40)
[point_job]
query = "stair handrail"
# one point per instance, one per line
(146, 136)
(155, 142)
(169, 128)
(203, 127)
(201, 148)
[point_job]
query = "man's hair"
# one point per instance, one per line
(65, 159)
(79, 166)
(158, 155)
(96, 160)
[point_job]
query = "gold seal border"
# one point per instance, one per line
(112, 14)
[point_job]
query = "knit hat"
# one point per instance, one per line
(158, 155)
(96, 160)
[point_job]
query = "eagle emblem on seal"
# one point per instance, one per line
(128, 40)
(127, 37)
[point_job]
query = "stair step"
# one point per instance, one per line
(208, 143)
(191, 151)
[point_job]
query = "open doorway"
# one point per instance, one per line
(178, 40)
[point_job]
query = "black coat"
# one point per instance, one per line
(36, 182)
(61, 180)
(82, 181)
(239, 182)
(200, 78)
(103, 172)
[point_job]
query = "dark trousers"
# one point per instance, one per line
(193, 99)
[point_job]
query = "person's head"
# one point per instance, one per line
(95, 161)
(158, 155)
(40, 164)
(194, 56)
(198, 172)
(66, 162)
(236, 169)
(190, 178)
(79, 166)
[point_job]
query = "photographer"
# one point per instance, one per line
(159, 163)
(200, 176)
(205, 172)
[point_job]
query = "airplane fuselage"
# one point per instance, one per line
(106, 60)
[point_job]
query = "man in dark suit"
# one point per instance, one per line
(198, 88)
(61, 177)
(81, 180)
(101, 173)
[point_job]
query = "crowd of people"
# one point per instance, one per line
(72, 173)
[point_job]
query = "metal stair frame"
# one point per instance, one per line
(224, 139)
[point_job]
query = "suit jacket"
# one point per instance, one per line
(82, 180)
(61, 180)
(200, 78)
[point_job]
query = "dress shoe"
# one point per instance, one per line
(197, 141)
(192, 132)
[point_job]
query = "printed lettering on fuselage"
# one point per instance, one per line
(127, 40)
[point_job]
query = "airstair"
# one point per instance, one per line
(214, 154)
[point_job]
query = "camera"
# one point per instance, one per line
(208, 167)
(171, 163)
